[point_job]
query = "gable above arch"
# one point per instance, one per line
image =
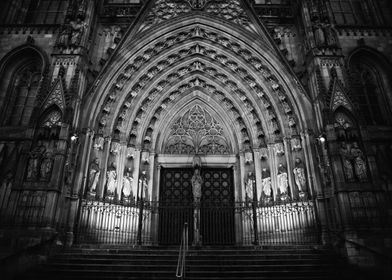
(233, 11)
(339, 97)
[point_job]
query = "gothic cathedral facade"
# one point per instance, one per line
(254, 121)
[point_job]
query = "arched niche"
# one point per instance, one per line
(21, 71)
(372, 85)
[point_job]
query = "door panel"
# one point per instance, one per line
(217, 206)
(175, 205)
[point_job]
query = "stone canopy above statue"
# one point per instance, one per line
(197, 132)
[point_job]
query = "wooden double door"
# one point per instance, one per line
(176, 206)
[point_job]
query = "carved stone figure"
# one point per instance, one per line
(128, 189)
(347, 164)
(93, 176)
(330, 35)
(266, 183)
(279, 149)
(33, 164)
(143, 185)
(111, 176)
(319, 36)
(46, 167)
(77, 32)
(98, 143)
(283, 183)
(32, 168)
(263, 153)
(5, 189)
(63, 39)
(295, 144)
(115, 148)
(299, 175)
(249, 185)
(359, 163)
(196, 181)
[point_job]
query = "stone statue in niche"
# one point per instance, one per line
(264, 153)
(63, 39)
(196, 181)
(98, 143)
(249, 187)
(324, 35)
(33, 165)
(319, 36)
(347, 164)
(295, 144)
(111, 184)
(143, 183)
(130, 152)
(283, 183)
(299, 177)
(46, 167)
(5, 188)
(128, 189)
(78, 27)
(359, 163)
(115, 148)
(279, 149)
(93, 176)
(330, 35)
(266, 185)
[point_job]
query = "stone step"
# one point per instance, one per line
(192, 260)
(192, 267)
(302, 262)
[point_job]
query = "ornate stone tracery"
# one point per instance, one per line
(197, 132)
(164, 10)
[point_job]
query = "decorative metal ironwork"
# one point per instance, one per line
(197, 132)
(24, 208)
(115, 223)
(289, 222)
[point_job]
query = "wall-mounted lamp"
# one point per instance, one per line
(322, 139)
(74, 137)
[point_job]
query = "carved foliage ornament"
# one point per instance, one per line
(197, 132)
(167, 9)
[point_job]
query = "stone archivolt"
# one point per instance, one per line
(197, 49)
(166, 105)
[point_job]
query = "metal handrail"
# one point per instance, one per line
(360, 245)
(180, 272)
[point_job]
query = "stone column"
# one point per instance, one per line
(151, 175)
(289, 167)
(104, 167)
(273, 168)
(155, 201)
(80, 181)
(136, 169)
(258, 177)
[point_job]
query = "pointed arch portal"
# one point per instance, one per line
(199, 88)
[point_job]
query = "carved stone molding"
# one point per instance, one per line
(260, 69)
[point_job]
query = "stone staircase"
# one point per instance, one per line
(273, 262)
